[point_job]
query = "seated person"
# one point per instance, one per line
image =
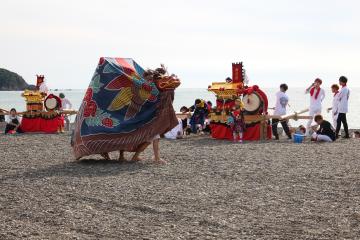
(325, 133)
(300, 130)
(200, 110)
(207, 128)
(185, 121)
(13, 122)
(2, 117)
(176, 132)
(356, 134)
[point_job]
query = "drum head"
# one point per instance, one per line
(50, 103)
(252, 102)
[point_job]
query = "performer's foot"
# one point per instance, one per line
(346, 137)
(136, 159)
(105, 156)
(159, 161)
(121, 156)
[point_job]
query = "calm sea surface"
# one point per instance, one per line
(186, 97)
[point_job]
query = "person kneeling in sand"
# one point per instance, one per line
(156, 148)
(356, 134)
(325, 133)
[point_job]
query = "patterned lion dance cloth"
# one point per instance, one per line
(122, 109)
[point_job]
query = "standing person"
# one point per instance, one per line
(41, 85)
(335, 104)
(65, 104)
(317, 95)
(325, 133)
(13, 122)
(343, 107)
(282, 100)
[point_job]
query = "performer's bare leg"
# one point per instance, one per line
(121, 155)
(156, 149)
(105, 156)
(140, 149)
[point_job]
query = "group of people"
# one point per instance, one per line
(317, 127)
(199, 121)
(13, 119)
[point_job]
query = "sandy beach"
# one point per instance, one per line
(210, 189)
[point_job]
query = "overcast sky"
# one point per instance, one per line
(279, 41)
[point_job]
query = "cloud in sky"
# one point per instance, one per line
(279, 41)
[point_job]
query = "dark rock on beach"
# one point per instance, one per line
(10, 81)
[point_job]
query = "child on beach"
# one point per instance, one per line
(237, 124)
(325, 133)
(13, 122)
(317, 95)
(334, 109)
(343, 107)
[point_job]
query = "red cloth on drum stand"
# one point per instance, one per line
(221, 131)
(40, 124)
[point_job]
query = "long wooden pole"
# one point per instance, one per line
(66, 111)
(293, 115)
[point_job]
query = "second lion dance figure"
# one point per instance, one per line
(240, 112)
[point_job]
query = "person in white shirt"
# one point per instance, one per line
(13, 122)
(317, 95)
(176, 132)
(40, 84)
(65, 104)
(282, 100)
(43, 88)
(343, 107)
(334, 109)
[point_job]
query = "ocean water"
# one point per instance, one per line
(186, 97)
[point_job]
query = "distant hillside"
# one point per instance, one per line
(10, 81)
